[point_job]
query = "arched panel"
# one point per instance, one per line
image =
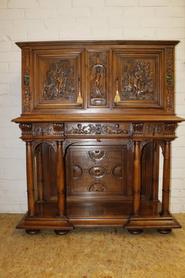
(45, 172)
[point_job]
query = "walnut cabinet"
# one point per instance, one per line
(95, 117)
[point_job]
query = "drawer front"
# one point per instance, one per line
(96, 170)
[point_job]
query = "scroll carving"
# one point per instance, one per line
(98, 75)
(169, 80)
(97, 129)
(138, 80)
(60, 82)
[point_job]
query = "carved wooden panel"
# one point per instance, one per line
(96, 170)
(139, 78)
(97, 80)
(58, 79)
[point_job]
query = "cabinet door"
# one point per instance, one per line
(97, 77)
(137, 78)
(57, 79)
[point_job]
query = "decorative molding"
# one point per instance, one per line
(169, 80)
(138, 79)
(60, 82)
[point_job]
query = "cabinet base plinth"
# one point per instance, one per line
(32, 224)
(160, 223)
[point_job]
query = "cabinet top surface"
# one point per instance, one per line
(97, 42)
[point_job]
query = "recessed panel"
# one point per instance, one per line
(58, 79)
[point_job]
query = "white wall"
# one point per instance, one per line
(25, 20)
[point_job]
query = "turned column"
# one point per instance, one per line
(137, 178)
(166, 178)
(30, 179)
(60, 178)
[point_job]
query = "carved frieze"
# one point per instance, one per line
(137, 79)
(97, 129)
(98, 78)
(60, 82)
(169, 80)
(154, 129)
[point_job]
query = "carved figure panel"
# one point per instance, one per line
(138, 79)
(60, 81)
(97, 78)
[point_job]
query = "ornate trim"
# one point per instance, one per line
(97, 129)
(169, 80)
(26, 81)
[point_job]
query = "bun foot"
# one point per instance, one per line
(32, 232)
(164, 231)
(135, 231)
(61, 232)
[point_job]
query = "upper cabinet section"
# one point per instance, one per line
(127, 77)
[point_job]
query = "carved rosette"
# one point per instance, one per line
(97, 129)
(169, 80)
(98, 78)
(138, 79)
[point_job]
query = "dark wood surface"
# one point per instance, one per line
(94, 116)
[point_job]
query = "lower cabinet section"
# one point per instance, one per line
(103, 186)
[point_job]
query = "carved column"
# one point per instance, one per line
(30, 179)
(60, 178)
(166, 178)
(137, 178)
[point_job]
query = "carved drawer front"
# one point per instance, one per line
(97, 77)
(137, 77)
(58, 78)
(96, 170)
